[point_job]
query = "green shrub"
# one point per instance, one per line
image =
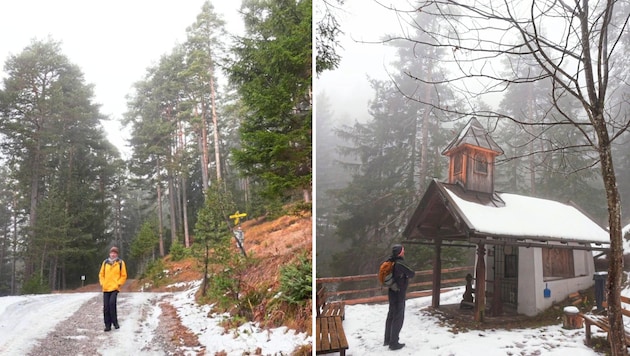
(178, 251)
(250, 301)
(299, 208)
(155, 272)
(296, 280)
(35, 285)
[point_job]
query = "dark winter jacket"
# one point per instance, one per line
(402, 274)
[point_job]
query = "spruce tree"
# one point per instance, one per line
(272, 71)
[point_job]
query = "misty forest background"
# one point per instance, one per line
(66, 194)
(371, 172)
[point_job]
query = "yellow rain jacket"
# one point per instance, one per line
(113, 275)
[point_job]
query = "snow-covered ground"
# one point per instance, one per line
(26, 320)
(23, 319)
(249, 336)
(424, 334)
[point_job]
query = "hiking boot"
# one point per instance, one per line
(116, 326)
(108, 328)
(396, 346)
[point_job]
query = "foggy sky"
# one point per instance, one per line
(347, 87)
(113, 42)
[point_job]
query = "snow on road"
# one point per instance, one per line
(138, 316)
(72, 324)
(23, 319)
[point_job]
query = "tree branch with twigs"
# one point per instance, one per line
(578, 46)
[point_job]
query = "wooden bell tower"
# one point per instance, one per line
(472, 155)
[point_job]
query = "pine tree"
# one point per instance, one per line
(204, 48)
(545, 161)
(272, 71)
(392, 157)
(60, 160)
(212, 228)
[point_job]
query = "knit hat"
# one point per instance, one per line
(114, 249)
(396, 250)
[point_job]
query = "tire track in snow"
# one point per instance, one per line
(81, 332)
(23, 319)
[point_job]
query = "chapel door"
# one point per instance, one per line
(506, 275)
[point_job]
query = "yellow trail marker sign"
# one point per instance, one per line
(237, 217)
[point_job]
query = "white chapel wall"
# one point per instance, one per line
(531, 283)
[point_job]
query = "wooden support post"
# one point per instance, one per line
(480, 281)
(437, 274)
(497, 298)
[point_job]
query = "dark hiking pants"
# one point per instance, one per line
(109, 308)
(395, 317)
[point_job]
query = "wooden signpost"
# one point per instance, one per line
(239, 234)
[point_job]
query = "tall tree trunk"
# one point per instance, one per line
(215, 122)
(204, 147)
(206, 262)
(53, 272)
(34, 185)
(411, 183)
(172, 202)
(615, 267)
(14, 245)
(34, 198)
(424, 148)
(201, 138)
(5, 246)
(42, 262)
(64, 285)
(118, 221)
(159, 206)
(185, 212)
(246, 189)
(530, 146)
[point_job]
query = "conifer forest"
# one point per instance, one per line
(220, 111)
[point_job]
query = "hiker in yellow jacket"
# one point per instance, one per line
(112, 276)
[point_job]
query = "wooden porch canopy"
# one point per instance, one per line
(448, 215)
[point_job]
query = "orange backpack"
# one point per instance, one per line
(386, 275)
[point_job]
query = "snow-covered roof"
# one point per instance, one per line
(524, 216)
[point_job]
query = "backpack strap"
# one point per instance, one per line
(119, 265)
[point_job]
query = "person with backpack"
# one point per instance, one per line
(112, 276)
(396, 293)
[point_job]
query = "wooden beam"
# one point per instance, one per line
(526, 242)
(437, 274)
(365, 277)
(444, 243)
(480, 284)
(384, 290)
(383, 298)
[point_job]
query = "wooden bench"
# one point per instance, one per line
(329, 334)
(326, 308)
(601, 321)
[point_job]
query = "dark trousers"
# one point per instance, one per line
(109, 308)
(395, 316)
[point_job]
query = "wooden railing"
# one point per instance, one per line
(366, 288)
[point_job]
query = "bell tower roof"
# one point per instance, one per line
(472, 155)
(473, 134)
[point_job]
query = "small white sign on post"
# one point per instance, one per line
(83, 278)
